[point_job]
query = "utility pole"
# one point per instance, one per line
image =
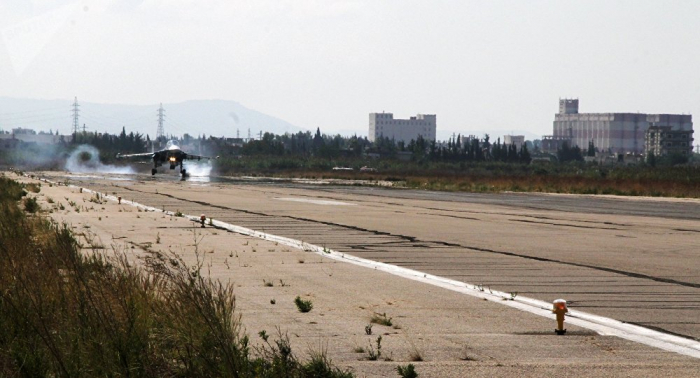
(83, 128)
(160, 133)
(76, 120)
(260, 135)
(248, 134)
(238, 134)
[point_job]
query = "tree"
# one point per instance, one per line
(566, 153)
(591, 149)
(651, 159)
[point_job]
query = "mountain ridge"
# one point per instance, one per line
(209, 117)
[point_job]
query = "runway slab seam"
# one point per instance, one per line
(416, 240)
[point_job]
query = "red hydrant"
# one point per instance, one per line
(559, 308)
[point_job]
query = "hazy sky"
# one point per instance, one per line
(478, 65)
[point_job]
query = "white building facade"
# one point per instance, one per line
(519, 140)
(614, 132)
(384, 124)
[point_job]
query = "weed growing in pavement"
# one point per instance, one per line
(61, 207)
(277, 356)
(268, 283)
(408, 371)
(374, 354)
(49, 200)
(368, 329)
(513, 295)
(158, 238)
(467, 355)
(359, 349)
(415, 354)
(381, 319)
(283, 284)
(273, 301)
(303, 305)
(178, 213)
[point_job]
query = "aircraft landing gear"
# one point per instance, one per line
(153, 171)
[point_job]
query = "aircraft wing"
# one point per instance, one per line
(198, 157)
(145, 154)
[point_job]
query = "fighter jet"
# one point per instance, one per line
(172, 154)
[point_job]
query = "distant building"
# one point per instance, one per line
(613, 132)
(663, 140)
(384, 124)
(29, 136)
(551, 143)
(519, 140)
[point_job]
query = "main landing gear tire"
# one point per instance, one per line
(153, 171)
(184, 172)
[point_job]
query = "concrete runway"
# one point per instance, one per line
(635, 260)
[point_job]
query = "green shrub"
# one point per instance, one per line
(381, 319)
(408, 371)
(303, 305)
(30, 205)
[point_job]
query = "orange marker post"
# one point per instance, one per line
(559, 308)
(202, 218)
(119, 199)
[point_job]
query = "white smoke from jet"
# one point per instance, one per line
(199, 169)
(86, 159)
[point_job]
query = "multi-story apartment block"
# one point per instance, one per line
(663, 140)
(384, 124)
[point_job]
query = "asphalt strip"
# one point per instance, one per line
(601, 325)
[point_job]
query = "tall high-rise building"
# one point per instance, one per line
(384, 124)
(614, 132)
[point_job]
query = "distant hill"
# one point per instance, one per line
(196, 117)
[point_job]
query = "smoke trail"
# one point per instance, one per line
(86, 159)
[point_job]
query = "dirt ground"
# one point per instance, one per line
(443, 333)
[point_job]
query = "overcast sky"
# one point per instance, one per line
(478, 65)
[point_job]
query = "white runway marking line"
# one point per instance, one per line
(602, 325)
(315, 202)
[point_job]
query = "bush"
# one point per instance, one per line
(30, 205)
(408, 371)
(302, 305)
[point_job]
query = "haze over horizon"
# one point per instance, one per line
(497, 65)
